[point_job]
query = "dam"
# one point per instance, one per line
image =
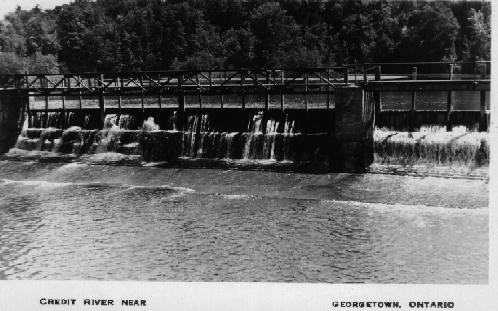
(315, 118)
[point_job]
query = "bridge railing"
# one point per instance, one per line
(430, 79)
(427, 71)
(256, 80)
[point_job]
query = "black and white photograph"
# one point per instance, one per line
(322, 142)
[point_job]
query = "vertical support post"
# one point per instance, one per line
(483, 121)
(198, 91)
(160, 97)
(306, 82)
(282, 96)
(46, 110)
(267, 95)
(328, 88)
(365, 78)
(181, 103)
(119, 107)
(414, 93)
(242, 89)
(142, 95)
(221, 90)
(413, 107)
(346, 75)
(101, 99)
(63, 123)
(355, 71)
(377, 95)
(102, 108)
(28, 109)
(26, 99)
(449, 105)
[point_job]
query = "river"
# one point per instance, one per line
(85, 220)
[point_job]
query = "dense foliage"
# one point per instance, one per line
(108, 35)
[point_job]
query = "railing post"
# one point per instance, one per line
(160, 98)
(119, 106)
(242, 90)
(199, 98)
(413, 108)
(328, 89)
(221, 90)
(377, 95)
(365, 78)
(306, 82)
(63, 110)
(101, 100)
(46, 110)
(355, 72)
(282, 96)
(267, 95)
(142, 96)
(181, 103)
(28, 109)
(449, 106)
(483, 121)
(346, 75)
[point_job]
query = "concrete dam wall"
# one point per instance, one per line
(339, 139)
(12, 116)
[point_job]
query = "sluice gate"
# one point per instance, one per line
(323, 117)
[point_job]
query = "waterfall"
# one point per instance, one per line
(255, 131)
(150, 125)
(172, 121)
(126, 122)
(288, 133)
(262, 138)
(270, 139)
(434, 146)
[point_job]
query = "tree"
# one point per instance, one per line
(274, 32)
(110, 35)
(480, 34)
(430, 34)
(10, 63)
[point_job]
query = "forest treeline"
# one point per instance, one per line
(119, 35)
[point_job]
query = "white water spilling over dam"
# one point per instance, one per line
(199, 140)
(282, 143)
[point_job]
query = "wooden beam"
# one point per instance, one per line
(449, 106)
(428, 85)
(483, 122)
(282, 96)
(377, 94)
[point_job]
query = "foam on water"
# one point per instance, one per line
(107, 157)
(73, 165)
(409, 208)
(432, 146)
(37, 183)
(16, 152)
(53, 184)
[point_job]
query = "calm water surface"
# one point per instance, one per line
(82, 221)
